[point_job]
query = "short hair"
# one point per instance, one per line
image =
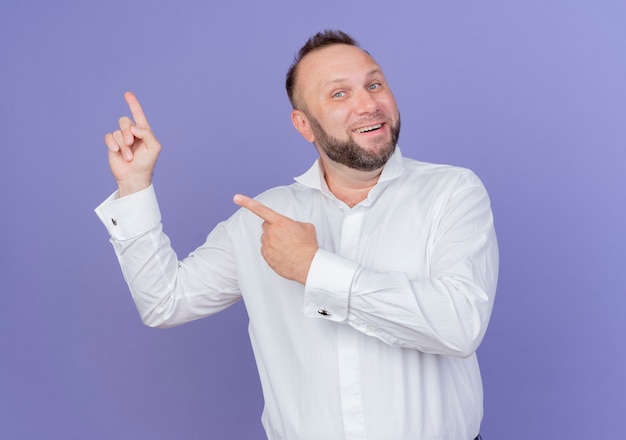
(318, 41)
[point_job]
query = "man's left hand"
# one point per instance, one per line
(287, 246)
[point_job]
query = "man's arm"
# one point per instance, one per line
(167, 292)
(446, 313)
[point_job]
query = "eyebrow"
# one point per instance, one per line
(371, 73)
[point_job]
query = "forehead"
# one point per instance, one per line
(339, 62)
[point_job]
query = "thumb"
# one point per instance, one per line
(140, 132)
(146, 135)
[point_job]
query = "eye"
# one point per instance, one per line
(374, 86)
(339, 94)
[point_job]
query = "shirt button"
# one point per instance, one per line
(323, 312)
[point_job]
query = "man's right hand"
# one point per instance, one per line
(133, 150)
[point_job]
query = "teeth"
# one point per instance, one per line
(366, 129)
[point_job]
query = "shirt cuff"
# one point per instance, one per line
(130, 216)
(328, 285)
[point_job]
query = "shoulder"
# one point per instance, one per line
(434, 173)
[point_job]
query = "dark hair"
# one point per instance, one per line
(326, 38)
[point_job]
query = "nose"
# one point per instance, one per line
(365, 102)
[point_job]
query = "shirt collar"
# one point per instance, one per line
(314, 176)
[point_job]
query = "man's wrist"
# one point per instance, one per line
(126, 188)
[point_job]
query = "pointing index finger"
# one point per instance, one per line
(258, 208)
(136, 110)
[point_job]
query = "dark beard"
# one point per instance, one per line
(349, 153)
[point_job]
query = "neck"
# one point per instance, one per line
(349, 185)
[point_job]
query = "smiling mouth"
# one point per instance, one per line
(368, 129)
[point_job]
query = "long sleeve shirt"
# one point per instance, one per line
(380, 342)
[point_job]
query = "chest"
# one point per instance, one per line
(388, 235)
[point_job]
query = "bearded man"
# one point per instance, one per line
(369, 282)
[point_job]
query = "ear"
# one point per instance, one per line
(301, 123)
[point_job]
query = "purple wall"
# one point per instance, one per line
(530, 94)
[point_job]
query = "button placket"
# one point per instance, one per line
(347, 340)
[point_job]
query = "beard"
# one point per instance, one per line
(351, 154)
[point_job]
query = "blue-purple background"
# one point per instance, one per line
(529, 94)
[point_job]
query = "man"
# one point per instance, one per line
(369, 282)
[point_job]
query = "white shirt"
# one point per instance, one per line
(380, 343)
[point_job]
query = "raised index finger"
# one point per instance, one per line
(258, 208)
(136, 110)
